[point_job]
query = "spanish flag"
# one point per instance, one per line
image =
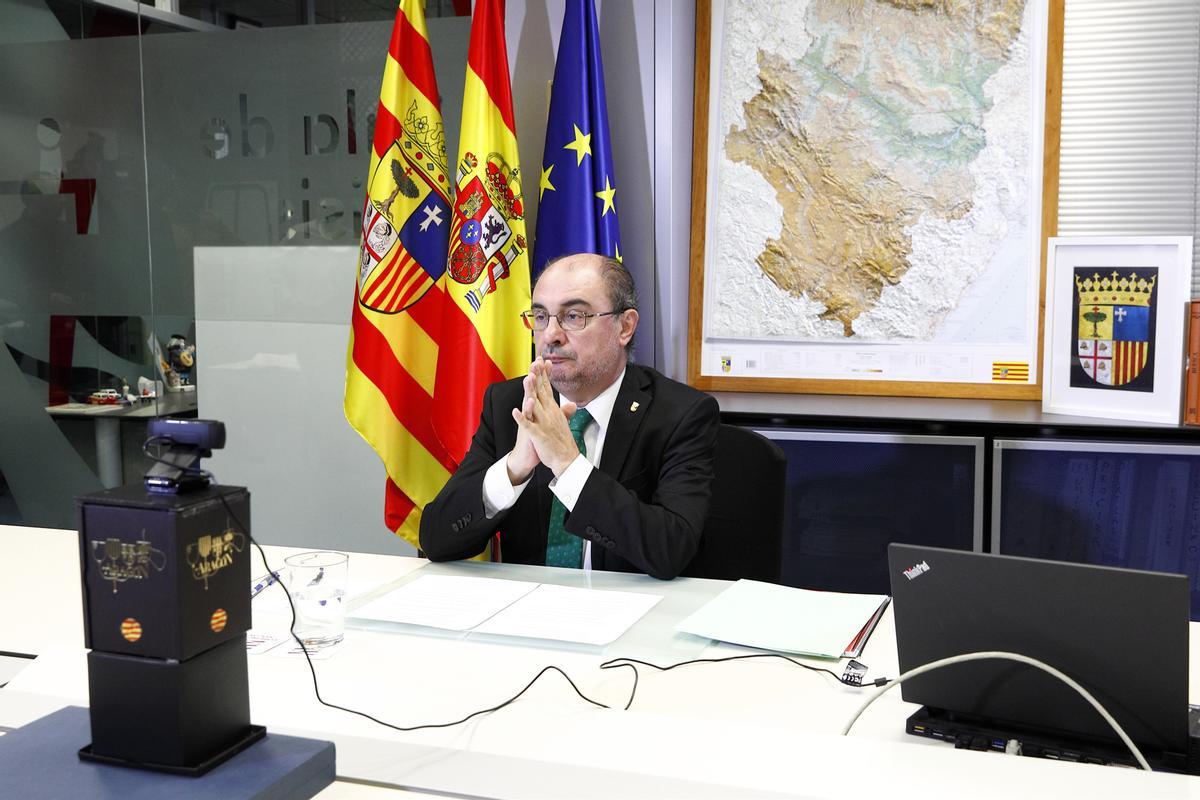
(392, 363)
(482, 338)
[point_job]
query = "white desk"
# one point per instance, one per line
(745, 729)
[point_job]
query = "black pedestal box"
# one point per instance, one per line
(160, 713)
(166, 607)
(164, 576)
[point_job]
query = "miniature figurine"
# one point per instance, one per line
(181, 357)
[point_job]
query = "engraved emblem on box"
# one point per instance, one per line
(212, 553)
(121, 561)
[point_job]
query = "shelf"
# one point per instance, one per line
(865, 411)
(158, 15)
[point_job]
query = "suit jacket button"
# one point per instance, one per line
(454, 527)
(591, 531)
(468, 516)
(610, 544)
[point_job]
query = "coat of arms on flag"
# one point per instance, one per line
(1114, 323)
(484, 244)
(406, 218)
(393, 353)
(485, 285)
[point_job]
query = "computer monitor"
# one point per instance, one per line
(848, 494)
(1121, 504)
(1121, 633)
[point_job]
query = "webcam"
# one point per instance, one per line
(182, 443)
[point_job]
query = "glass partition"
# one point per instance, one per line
(134, 137)
(75, 291)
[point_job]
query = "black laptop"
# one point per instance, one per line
(1121, 633)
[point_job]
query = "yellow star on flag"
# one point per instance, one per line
(582, 145)
(606, 194)
(618, 254)
(545, 183)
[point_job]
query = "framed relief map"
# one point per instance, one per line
(873, 184)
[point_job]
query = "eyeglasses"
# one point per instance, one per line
(572, 320)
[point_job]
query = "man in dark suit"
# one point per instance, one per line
(589, 460)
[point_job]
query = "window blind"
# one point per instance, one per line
(1131, 82)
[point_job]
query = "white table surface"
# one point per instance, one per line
(761, 728)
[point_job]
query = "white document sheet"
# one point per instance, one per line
(446, 601)
(259, 642)
(587, 616)
(783, 618)
(512, 608)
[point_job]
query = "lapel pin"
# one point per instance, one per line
(633, 406)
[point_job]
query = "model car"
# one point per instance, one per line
(105, 397)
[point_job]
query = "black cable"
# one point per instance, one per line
(613, 663)
(312, 670)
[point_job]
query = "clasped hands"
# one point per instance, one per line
(542, 433)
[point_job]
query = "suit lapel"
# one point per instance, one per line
(633, 401)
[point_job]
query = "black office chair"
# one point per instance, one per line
(743, 534)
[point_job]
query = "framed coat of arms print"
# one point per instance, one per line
(1114, 339)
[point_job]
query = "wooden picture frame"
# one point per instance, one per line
(1116, 308)
(1008, 378)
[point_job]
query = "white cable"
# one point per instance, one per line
(995, 654)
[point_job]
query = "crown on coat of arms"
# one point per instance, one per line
(503, 185)
(1115, 290)
(429, 138)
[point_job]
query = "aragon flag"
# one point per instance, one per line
(577, 211)
(487, 278)
(392, 358)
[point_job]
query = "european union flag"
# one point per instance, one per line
(577, 211)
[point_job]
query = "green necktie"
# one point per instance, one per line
(566, 549)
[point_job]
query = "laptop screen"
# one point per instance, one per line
(1122, 634)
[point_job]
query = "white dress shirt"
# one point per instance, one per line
(499, 493)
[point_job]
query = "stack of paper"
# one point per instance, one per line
(789, 620)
